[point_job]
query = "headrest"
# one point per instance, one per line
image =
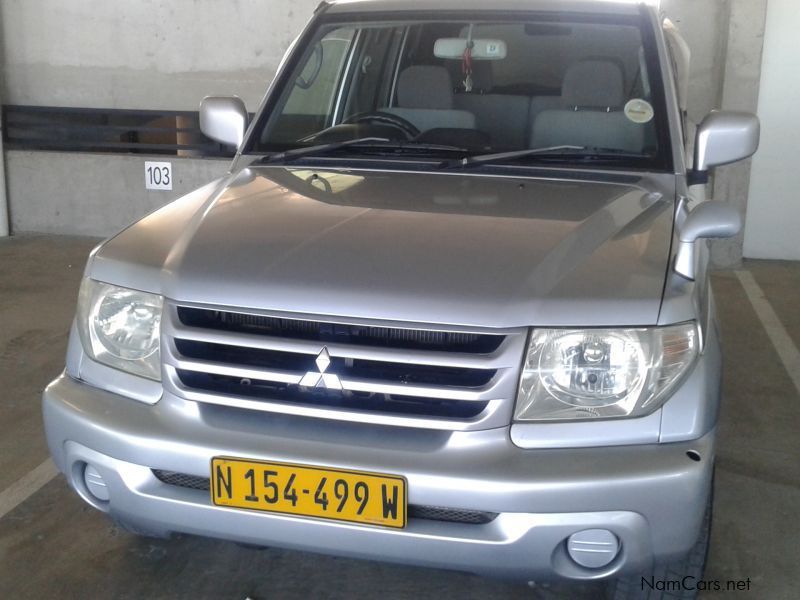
(425, 87)
(594, 84)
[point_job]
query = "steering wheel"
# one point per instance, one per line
(385, 118)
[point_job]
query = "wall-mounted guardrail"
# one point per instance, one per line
(123, 131)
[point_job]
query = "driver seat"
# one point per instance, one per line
(425, 98)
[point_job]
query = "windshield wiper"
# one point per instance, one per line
(565, 151)
(368, 143)
(319, 149)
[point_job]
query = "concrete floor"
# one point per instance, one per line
(52, 545)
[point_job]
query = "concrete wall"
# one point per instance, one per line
(167, 54)
(92, 194)
(773, 216)
(740, 91)
(139, 54)
(726, 37)
(144, 54)
(704, 24)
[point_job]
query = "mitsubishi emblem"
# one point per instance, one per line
(320, 378)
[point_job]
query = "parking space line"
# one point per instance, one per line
(780, 338)
(26, 486)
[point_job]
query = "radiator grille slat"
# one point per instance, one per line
(409, 339)
(336, 399)
(356, 368)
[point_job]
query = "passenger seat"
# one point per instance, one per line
(594, 92)
(425, 99)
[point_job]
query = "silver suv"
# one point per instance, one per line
(450, 306)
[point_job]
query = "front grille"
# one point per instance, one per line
(430, 513)
(409, 339)
(451, 379)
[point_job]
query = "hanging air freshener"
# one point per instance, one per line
(466, 62)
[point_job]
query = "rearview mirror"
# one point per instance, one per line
(224, 119)
(455, 48)
(724, 137)
(712, 219)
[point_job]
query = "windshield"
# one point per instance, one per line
(442, 87)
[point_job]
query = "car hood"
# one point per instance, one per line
(441, 248)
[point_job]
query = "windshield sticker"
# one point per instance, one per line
(492, 49)
(639, 111)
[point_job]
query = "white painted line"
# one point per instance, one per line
(787, 351)
(26, 486)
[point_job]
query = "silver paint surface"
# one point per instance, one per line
(726, 137)
(412, 247)
(651, 496)
(224, 119)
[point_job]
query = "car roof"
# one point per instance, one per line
(630, 7)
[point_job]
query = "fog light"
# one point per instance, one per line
(95, 483)
(593, 548)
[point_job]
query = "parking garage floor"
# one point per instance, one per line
(54, 546)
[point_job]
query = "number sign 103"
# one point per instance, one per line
(158, 175)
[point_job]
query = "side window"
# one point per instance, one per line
(315, 90)
(310, 104)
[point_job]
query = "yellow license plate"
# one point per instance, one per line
(353, 496)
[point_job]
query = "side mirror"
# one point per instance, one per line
(724, 137)
(712, 219)
(224, 119)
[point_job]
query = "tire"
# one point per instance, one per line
(692, 565)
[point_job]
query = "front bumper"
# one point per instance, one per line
(651, 496)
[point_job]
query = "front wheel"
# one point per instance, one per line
(675, 573)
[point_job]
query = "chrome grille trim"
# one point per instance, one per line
(351, 385)
(492, 416)
(501, 368)
(343, 400)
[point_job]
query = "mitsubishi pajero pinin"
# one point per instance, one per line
(450, 306)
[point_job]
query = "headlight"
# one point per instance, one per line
(121, 328)
(603, 373)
